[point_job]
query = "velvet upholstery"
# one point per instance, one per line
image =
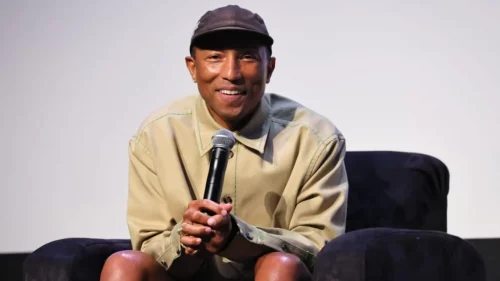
(75, 259)
(390, 254)
(396, 189)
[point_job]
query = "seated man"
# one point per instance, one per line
(285, 187)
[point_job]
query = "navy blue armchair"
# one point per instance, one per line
(396, 230)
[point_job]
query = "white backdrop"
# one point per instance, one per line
(77, 78)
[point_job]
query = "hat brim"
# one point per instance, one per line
(264, 38)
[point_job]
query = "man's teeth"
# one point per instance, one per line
(227, 92)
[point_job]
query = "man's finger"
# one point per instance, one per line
(211, 207)
(190, 251)
(195, 229)
(218, 221)
(227, 206)
(200, 211)
(190, 241)
(198, 217)
(195, 216)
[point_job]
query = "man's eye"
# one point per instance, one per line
(214, 57)
(248, 56)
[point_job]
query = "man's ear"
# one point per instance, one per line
(191, 66)
(271, 64)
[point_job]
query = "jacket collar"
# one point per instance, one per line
(253, 135)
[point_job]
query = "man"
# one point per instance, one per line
(285, 186)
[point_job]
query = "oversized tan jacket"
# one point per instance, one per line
(286, 179)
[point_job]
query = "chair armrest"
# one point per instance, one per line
(390, 254)
(71, 259)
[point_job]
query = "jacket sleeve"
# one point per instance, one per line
(319, 214)
(151, 226)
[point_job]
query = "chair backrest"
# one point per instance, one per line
(396, 189)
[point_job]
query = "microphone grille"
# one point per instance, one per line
(223, 138)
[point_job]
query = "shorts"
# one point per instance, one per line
(222, 269)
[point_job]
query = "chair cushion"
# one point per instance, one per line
(396, 189)
(75, 259)
(383, 254)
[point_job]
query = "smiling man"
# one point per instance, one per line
(232, 68)
(285, 187)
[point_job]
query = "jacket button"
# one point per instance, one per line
(227, 199)
(231, 154)
(249, 235)
(284, 246)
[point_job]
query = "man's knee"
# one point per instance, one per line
(281, 266)
(130, 259)
(130, 265)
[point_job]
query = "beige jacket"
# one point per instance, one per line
(286, 179)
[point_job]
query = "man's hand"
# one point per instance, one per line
(206, 227)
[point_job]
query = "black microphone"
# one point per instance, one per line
(222, 141)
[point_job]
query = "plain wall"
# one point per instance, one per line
(78, 77)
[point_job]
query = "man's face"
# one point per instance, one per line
(231, 78)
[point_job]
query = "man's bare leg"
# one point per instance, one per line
(278, 266)
(133, 265)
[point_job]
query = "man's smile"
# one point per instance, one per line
(231, 92)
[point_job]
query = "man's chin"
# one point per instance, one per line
(234, 118)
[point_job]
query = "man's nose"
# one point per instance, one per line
(231, 69)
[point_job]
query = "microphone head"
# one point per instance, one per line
(223, 138)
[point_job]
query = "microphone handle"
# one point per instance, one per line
(215, 179)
